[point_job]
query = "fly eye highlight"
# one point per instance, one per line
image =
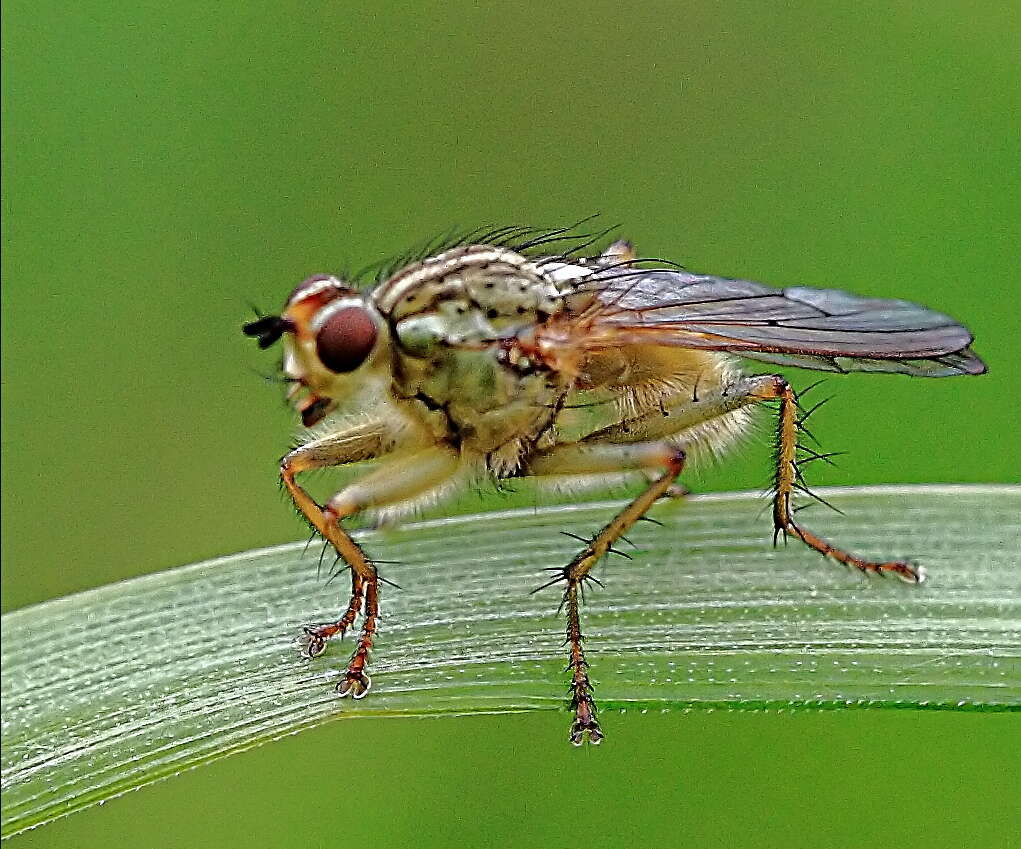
(346, 339)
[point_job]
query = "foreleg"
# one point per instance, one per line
(400, 479)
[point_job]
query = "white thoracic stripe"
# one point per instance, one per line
(389, 293)
(317, 287)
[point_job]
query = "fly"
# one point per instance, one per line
(496, 357)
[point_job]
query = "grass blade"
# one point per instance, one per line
(117, 687)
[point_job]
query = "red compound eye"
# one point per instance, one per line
(346, 338)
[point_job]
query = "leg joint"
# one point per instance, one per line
(674, 459)
(771, 387)
(677, 456)
(288, 468)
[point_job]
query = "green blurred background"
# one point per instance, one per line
(166, 166)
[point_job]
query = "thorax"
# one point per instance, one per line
(452, 321)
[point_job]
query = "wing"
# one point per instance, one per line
(821, 329)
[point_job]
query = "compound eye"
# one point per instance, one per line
(346, 339)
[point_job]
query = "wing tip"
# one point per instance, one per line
(970, 362)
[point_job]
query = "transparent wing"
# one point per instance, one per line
(810, 328)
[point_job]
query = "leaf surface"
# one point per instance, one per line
(119, 686)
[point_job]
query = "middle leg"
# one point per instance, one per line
(600, 459)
